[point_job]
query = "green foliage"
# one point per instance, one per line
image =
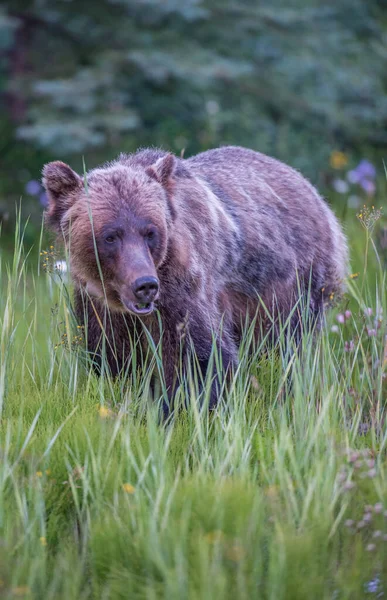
(280, 493)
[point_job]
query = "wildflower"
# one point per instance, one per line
(360, 524)
(378, 507)
(349, 523)
(363, 174)
(377, 534)
(39, 474)
(349, 485)
(368, 312)
(43, 541)
(368, 186)
(338, 160)
(49, 258)
(347, 315)
(103, 412)
(369, 216)
(335, 329)
(43, 199)
(214, 537)
(373, 587)
(354, 276)
(340, 186)
(372, 473)
(378, 323)
(340, 319)
(349, 346)
(370, 547)
(371, 332)
(128, 488)
(353, 457)
(61, 266)
(367, 518)
(33, 187)
(272, 491)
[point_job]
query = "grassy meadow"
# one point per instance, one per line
(281, 493)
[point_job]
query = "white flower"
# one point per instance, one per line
(340, 186)
(61, 266)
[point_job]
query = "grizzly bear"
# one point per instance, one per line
(208, 241)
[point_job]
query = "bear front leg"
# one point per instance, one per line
(220, 369)
(190, 351)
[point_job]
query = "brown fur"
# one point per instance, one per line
(231, 227)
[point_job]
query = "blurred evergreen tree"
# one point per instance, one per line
(291, 78)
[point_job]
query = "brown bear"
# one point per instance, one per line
(208, 241)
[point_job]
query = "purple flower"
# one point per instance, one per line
(43, 199)
(33, 187)
(364, 170)
(368, 186)
(364, 175)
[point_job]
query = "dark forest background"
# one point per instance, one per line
(86, 79)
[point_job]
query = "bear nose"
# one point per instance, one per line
(145, 288)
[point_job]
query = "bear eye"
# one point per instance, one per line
(110, 239)
(150, 236)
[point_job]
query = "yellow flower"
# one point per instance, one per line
(214, 536)
(39, 474)
(338, 160)
(128, 488)
(103, 412)
(272, 491)
(354, 275)
(43, 541)
(48, 471)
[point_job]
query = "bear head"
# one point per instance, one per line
(115, 224)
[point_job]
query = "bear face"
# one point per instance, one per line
(116, 228)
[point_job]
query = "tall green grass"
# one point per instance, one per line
(280, 493)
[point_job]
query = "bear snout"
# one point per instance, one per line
(145, 289)
(140, 296)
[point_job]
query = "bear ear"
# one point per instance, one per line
(60, 183)
(163, 170)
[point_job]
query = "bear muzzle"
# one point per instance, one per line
(145, 291)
